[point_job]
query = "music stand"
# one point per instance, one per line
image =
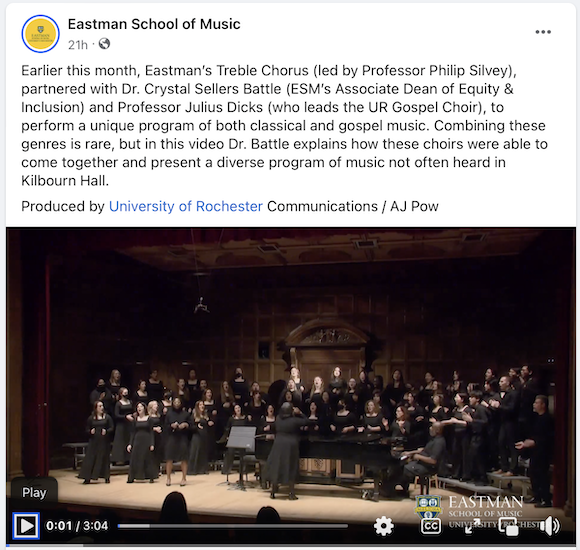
(242, 439)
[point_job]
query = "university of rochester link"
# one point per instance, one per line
(346, 386)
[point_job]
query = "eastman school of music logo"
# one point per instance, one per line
(428, 508)
(40, 33)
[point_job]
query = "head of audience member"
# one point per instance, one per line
(270, 411)
(456, 377)
(428, 378)
(115, 377)
(238, 410)
(268, 515)
(181, 384)
(101, 386)
(504, 383)
(326, 397)
(239, 373)
(208, 395)
(142, 386)
(363, 377)
(254, 387)
(288, 396)
(174, 509)
(167, 395)
(540, 404)
(379, 382)
(202, 385)
(226, 386)
(153, 375)
(351, 384)
(377, 397)
(192, 375)
(337, 373)
(124, 393)
(291, 385)
(177, 403)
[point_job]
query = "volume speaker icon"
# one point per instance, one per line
(551, 526)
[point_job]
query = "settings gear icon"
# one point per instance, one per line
(384, 526)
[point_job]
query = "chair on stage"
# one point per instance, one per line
(425, 482)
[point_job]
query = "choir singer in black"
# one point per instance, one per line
(541, 443)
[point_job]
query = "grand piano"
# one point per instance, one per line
(372, 452)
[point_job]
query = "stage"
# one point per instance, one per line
(210, 500)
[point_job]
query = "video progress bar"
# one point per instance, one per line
(232, 526)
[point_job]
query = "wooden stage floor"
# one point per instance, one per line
(209, 500)
(208, 495)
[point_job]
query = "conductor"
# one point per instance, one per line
(284, 459)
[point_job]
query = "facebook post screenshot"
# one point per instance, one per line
(290, 274)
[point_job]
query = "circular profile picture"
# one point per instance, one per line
(40, 33)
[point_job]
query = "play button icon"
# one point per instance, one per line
(25, 525)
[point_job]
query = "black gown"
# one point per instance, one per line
(159, 451)
(199, 448)
(212, 438)
(176, 441)
(373, 422)
(96, 463)
(123, 428)
(155, 390)
(342, 422)
(284, 459)
(141, 465)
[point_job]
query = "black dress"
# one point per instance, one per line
(176, 442)
(342, 422)
(141, 465)
(155, 390)
(337, 390)
(141, 399)
(210, 408)
(96, 463)
(198, 448)
(194, 393)
(255, 412)
(267, 427)
(373, 422)
(284, 458)
(107, 399)
(123, 428)
(159, 451)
